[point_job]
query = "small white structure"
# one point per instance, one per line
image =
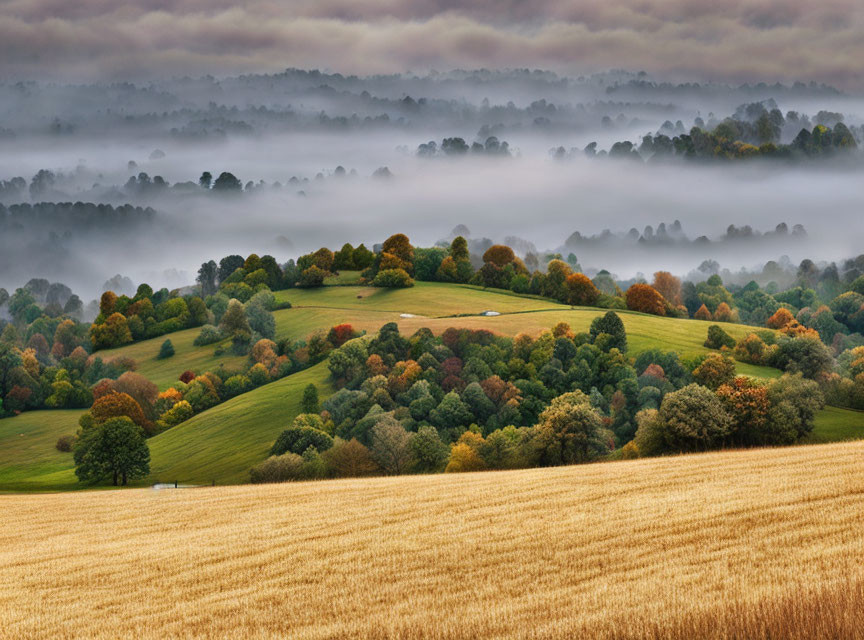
(490, 313)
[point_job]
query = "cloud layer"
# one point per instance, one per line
(733, 40)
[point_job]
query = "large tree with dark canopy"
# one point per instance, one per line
(115, 449)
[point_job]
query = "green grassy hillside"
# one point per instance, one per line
(29, 460)
(833, 424)
(222, 443)
(186, 356)
(439, 306)
(436, 306)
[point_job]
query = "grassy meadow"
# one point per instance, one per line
(29, 460)
(745, 544)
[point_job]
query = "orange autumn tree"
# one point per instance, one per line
(562, 330)
(115, 405)
(340, 334)
(668, 286)
(645, 298)
(702, 313)
(397, 253)
(748, 405)
(751, 349)
(724, 313)
(580, 290)
(780, 319)
(500, 255)
(375, 366)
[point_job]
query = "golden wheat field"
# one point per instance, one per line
(761, 543)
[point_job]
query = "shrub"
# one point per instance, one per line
(714, 371)
(66, 443)
(298, 439)
(718, 338)
(349, 459)
(702, 313)
(166, 350)
(393, 278)
(282, 468)
(209, 335)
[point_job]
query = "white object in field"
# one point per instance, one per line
(490, 313)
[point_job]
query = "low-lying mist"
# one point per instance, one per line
(528, 195)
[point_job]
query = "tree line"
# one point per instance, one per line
(471, 400)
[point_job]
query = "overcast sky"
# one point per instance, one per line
(732, 40)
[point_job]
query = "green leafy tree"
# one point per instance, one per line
(393, 279)
(571, 431)
(391, 446)
(610, 324)
(228, 266)
(207, 278)
(227, 182)
(114, 449)
(795, 401)
(693, 419)
(312, 276)
(310, 403)
(429, 452)
(234, 320)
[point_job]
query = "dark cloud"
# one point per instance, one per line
(734, 40)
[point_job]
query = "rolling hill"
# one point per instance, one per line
(743, 544)
(222, 443)
(433, 305)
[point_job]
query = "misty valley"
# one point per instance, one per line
(257, 163)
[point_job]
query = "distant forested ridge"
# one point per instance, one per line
(60, 217)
